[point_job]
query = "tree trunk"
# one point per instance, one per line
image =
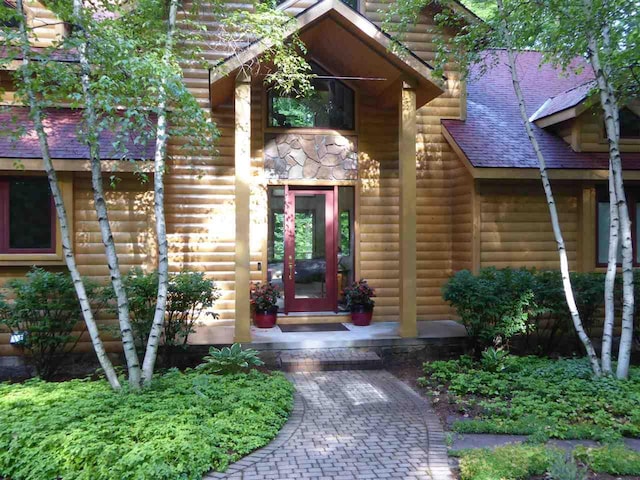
(612, 127)
(128, 344)
(555, 223)
(610, 277)
(161, 226)
(67, 244)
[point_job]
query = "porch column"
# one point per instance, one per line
(242, 104)
(407, 165)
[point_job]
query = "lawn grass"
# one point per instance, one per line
(181, 427)
(539, 397)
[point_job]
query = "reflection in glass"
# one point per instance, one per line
(310, 252)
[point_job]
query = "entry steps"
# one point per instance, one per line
(329, 359)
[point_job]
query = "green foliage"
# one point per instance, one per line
(540, 397)
(494, 359)
(228, 360)
(190, 293)
(509, 462)
(554, 319)
(179, 428)
(566, 468)
(45, 310)
(612, 459)
(494, 305)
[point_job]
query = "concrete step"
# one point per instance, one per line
(331, 359)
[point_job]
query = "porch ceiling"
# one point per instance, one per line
(347, 44)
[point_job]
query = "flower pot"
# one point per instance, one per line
(265, 318)
(361, 315)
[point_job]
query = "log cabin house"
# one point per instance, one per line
(390, 174)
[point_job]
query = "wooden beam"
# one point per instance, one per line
(408, 244)
(242, 153)
(588, 228)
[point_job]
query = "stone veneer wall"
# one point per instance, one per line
(306, 156)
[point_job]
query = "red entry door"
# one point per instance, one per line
(310, 250)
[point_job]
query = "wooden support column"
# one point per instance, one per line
(407, 164)
(242, 148)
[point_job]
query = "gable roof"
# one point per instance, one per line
(563, 101)
(368, 34)
(61, 126)
(492, 136)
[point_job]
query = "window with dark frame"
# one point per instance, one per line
(602, 226)
(9, 18)
(629, 124)
(331, 105)
(27, 216)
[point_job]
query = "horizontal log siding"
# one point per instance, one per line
(379, 205)
(516, 229)
(132, 220)
(439, 171)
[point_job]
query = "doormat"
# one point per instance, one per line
(313, 327)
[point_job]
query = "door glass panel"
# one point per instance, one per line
(275, 240)
(346, 241)
(310, 246)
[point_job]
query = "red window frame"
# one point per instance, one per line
(4, 222)
(633, 197)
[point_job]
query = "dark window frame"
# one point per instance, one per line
(4, 221)
(623, 111)
(633, 197)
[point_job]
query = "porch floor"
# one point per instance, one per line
(376, 334)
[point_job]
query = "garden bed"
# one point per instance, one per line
(542, 399)
(183, 426)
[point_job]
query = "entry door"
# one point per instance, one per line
(310, 251)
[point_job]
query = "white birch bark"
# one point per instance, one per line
(128, 345)
(555, 223)
(67, 244)
(612, 127)
(161, 226)
(610, 278)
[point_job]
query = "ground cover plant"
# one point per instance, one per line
(535, 396)
(524, 461)
(183, 425)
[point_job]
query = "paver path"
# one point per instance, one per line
(352, 424)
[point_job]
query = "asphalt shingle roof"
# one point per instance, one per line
(493, 134)
(62, 126)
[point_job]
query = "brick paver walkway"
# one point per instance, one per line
(352, 424)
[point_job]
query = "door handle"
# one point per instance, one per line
(290, 270)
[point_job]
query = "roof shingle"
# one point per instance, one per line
(62, 126)
(493, 134)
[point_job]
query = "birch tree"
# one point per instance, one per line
(161, 226)
(37, 112)
(469, 48)
(100, 203)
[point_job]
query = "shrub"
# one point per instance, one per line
(509, 462)
(494, 305)
(611, 459)
(180, 427)
(566, 468)
(494, 359)
(230, 360)
(44, 312)
(554, 318)
(190, 293)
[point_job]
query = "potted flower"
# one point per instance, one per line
(264, 298)
(359, 301)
